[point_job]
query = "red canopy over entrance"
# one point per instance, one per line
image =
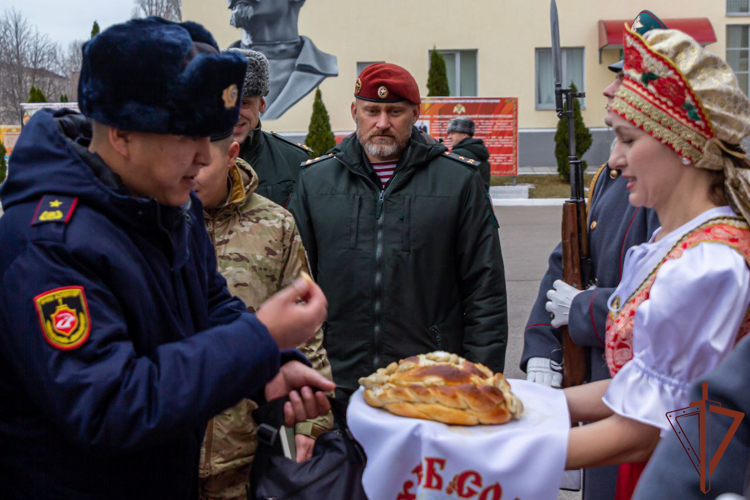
(610, 32)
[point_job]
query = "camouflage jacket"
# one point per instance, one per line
(259, 251)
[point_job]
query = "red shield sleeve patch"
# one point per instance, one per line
(64, 317)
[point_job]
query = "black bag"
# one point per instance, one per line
(334, 471)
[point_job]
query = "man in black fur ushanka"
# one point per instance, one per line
(402, 238)
(118, 338)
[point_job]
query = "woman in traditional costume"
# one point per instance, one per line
(683, 301)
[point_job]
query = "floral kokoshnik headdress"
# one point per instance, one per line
(689, 99)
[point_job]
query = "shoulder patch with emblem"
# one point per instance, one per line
(64, 317)
(313, 161)
(54, 209)
(304, 147)
(462, 159)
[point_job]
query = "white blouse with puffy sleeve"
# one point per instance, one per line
(686, 326)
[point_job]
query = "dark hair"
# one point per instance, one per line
(223, 144)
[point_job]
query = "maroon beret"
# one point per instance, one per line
(385, 82)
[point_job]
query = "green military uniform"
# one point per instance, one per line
(259, 251)
(277, 161)
(478, 154)
(412, 268)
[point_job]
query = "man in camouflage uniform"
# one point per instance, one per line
(275, 159)
(259, 251)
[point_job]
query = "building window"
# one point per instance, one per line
(362, 65)
(461, 68)
(573, 70)
(738, 53)
(738, 7)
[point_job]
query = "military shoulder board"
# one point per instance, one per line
(313, 161)
(298, 145)
(462, 159)
(53, 208)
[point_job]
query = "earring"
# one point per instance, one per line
(686, 161)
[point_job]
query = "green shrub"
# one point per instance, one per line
(437, 78)
(583, 140)
(319, 134)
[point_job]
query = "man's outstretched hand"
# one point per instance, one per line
(298, 381)
(294, 314)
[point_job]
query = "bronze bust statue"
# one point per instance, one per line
(297, 66)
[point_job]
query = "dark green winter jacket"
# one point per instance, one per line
(276, 160)
(475, 149)
(410, 269)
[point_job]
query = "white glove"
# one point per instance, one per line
(545, 372)
(560, 297)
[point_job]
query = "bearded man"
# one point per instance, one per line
(402, 238)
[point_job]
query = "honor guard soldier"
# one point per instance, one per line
(613, 226)
(402, 238)
(118, 337)
(275, 159)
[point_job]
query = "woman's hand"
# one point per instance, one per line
(614, 440)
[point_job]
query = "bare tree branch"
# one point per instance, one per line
(27, 58)
(168, 9)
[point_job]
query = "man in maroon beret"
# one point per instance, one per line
(402, 238)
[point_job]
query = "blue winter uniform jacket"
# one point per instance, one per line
(118, 338)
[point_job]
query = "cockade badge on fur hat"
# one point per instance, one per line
(257, 79)
(157, 76)
(385, 82)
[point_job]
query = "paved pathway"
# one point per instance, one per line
(527, 236)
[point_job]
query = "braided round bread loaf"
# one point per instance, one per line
(443, 387)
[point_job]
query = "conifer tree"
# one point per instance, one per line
(584, 140)
(319, 135)
(437, 78)
(34, 94)
(94, 29)
(64, 98)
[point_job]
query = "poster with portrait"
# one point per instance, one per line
(495, 120)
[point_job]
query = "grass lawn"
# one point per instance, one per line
(542, 186)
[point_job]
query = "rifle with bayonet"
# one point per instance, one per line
(576, 259)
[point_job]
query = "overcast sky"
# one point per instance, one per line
(68, 20)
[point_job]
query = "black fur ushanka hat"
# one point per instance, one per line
(157, 76)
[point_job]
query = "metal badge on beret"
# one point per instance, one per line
(358, 86)
(384, 82)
